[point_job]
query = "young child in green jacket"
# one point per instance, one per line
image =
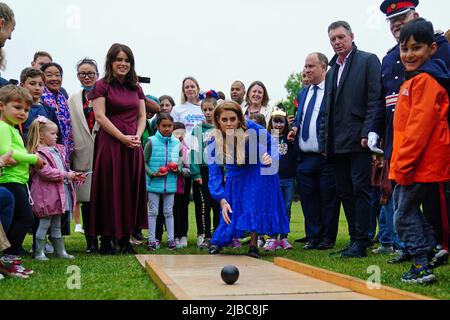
(15, 104)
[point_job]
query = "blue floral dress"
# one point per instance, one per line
(253, 194)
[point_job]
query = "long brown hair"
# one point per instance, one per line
(237, 152)
(131, 79)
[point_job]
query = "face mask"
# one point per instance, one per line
(87, 89)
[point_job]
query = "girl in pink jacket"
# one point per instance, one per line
(51, 188)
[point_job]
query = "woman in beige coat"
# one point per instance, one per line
(84, 130)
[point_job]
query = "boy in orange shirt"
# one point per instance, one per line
(421, 152)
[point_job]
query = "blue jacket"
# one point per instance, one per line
(253, 152)
(393, 76)
(164, 150)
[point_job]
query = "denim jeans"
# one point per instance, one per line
(287, 190)
(386, 231)
(6, 208)
(410, 223)
(153, 209)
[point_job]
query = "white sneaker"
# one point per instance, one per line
(2, 277)
(200, 239)
(79, 228)
(183, 242)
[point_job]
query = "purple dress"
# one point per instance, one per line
(118, 196)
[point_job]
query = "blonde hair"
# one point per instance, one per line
(233, 150)
(15, 93)
(6, 13)
(183, 95)
(37, 127)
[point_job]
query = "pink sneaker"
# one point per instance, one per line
(284, 244)
(235, 243)
(271, 244)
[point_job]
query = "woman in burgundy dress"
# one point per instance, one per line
(118, 196)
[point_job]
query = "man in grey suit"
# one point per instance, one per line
(352, 98)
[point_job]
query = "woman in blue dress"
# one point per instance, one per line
(249, 192)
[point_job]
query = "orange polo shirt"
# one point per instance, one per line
(421, 150)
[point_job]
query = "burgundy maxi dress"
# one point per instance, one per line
(118, 194)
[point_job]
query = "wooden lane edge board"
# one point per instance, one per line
(169, 289)
(355, 284)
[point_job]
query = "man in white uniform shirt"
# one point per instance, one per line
(315, 176)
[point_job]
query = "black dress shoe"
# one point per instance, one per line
(311, 245)
(325, 245)
(125, 246)
(356, 250)
(402, 257)
(139, 236)
(108, 246)
(302, 240)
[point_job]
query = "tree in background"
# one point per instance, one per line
(292, 86)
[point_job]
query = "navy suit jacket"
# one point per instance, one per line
(301, 98)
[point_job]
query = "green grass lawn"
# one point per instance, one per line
(122, 278)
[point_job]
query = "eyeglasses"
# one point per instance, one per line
(87, 74)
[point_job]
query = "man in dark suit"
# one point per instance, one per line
(352, 94)
(315, 176)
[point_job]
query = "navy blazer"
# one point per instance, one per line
(301, 98)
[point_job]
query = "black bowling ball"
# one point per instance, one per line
(230, 274)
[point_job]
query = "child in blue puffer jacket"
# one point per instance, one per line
(162, 165)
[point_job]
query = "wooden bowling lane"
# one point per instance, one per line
(197, 277)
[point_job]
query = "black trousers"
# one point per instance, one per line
(181, 210)
(204, 202)
(160, 221)
(22, 220)
(353, 185)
